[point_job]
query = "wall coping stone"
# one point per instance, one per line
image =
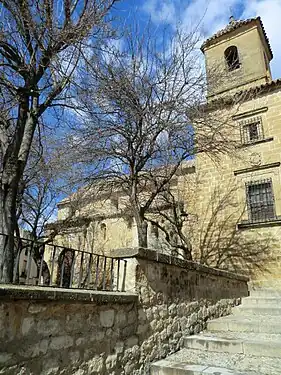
(257, 168)
(42, 293)
(153, 255)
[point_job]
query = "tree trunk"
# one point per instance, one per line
(13, 166)
(138, 214)
(142, 234)
(142, 231)
(7, 227)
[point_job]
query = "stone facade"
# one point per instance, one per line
(255, 165)
(254, 55)
(55, 331)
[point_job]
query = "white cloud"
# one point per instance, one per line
(213, 15)
(161, 11)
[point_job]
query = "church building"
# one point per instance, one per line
(233, 204)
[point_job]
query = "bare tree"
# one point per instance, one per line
(144, 114)
(170, 217)
(40, 47)
(41, 188)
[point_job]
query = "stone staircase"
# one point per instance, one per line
(248, 342)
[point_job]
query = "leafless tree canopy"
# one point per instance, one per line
(144, 114)
(41, 43)
(42, 185)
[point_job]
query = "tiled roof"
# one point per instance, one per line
(251, 92)
(233, 25)
(263, 87)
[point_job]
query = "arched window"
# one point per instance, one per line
(155, 230)
(103, 230)
(232, 58)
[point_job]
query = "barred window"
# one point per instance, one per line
(260, 200)
(251, 130)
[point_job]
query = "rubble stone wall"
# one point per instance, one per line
(52, 331)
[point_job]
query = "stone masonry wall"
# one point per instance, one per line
(177, 298)
(51, 331)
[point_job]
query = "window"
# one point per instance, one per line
(103, 230)
(155, 230)
(260, 200)
(251, 130)
(232, 58)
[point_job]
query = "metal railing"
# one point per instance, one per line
(45, 264)
(260, 201)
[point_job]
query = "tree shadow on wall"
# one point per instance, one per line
(207, 232)
(218, 241)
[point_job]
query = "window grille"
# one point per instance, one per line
(251, 130)
(260, 200)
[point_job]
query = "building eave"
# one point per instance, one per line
(244, 95)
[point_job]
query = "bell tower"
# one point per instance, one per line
(237, 57)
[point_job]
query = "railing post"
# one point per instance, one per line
(124, 276)
(104, 273)
(118, 274)
(41, 265)
(53, 265)
(62, 270)
(17, 263)
(89, 270)
(97, 272)
(28, 263)
(81, 270)
(72, 269)
(111, 274)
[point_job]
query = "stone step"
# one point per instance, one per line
(166, 367)
(234, 346)
(249, 365)
(245, 336)
(241, 323)
(257, 310)
(267, 292)
(263, 301)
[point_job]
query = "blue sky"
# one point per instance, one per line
(212, 15)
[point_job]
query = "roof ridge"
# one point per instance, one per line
(233, 25)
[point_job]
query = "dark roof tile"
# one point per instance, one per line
(250, 93)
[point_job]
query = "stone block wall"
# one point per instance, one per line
(69, 334)
(52, 331)
(222, 177)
